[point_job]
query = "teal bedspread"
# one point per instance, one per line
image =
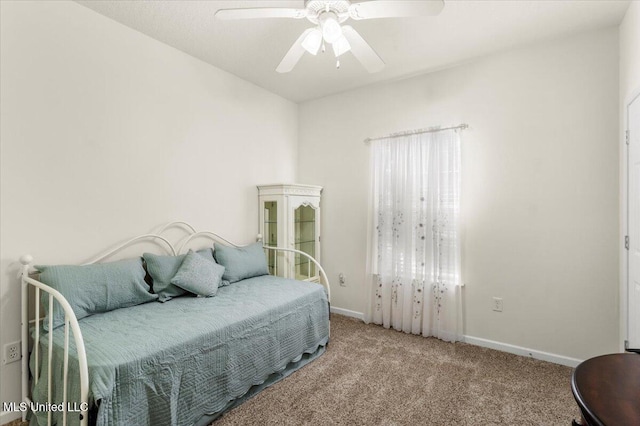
(171, 363)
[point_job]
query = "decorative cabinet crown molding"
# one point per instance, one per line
(290, 189)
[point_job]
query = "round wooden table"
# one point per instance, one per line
(607, 389)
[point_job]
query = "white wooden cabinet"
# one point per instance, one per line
(290, 218)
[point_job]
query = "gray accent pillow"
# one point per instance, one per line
(91, 289)
(199, 275)
(163, 268)
(241, 262)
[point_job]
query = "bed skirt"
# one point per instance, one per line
(274, 378)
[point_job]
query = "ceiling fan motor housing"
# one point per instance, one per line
(316, 8)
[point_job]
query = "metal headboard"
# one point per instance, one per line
(216, 237)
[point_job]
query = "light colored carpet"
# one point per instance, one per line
(373, 376)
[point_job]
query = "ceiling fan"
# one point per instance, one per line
(328, 17)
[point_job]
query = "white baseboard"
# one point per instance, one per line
(491, 344)
(519, 350)
(347, 313)
(8, 416)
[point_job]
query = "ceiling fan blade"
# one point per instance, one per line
(261, 12)
(362, 51)
(294, 54)
(374, 9)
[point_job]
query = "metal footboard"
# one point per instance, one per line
(324, 279)
(70, 321)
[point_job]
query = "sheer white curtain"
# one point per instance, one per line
(414, 241)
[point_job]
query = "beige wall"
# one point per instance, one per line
(107, 133)
(629, 86)
(540, 186)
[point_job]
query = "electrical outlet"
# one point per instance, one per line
(342, 280)
(497, 304)
(12, 352)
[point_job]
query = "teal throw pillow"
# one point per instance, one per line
(163, 268)
(92, 289)
(199, 275)
(241, 262)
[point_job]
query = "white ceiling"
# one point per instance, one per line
(252, 49)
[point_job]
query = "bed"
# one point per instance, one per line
(182, 362)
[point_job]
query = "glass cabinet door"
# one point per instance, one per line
(270, 237)
(305, 240)
(289, 218)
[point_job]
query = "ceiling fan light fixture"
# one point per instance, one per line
(341, 46)
(331, 30)
(312, 41)
(328, 17)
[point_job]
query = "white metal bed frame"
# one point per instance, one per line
(70, 320)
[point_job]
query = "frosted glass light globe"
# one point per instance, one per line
(331, 30)
(313, 41)
(341, 46)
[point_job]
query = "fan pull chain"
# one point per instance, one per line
(338, 64)
(323, 47)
